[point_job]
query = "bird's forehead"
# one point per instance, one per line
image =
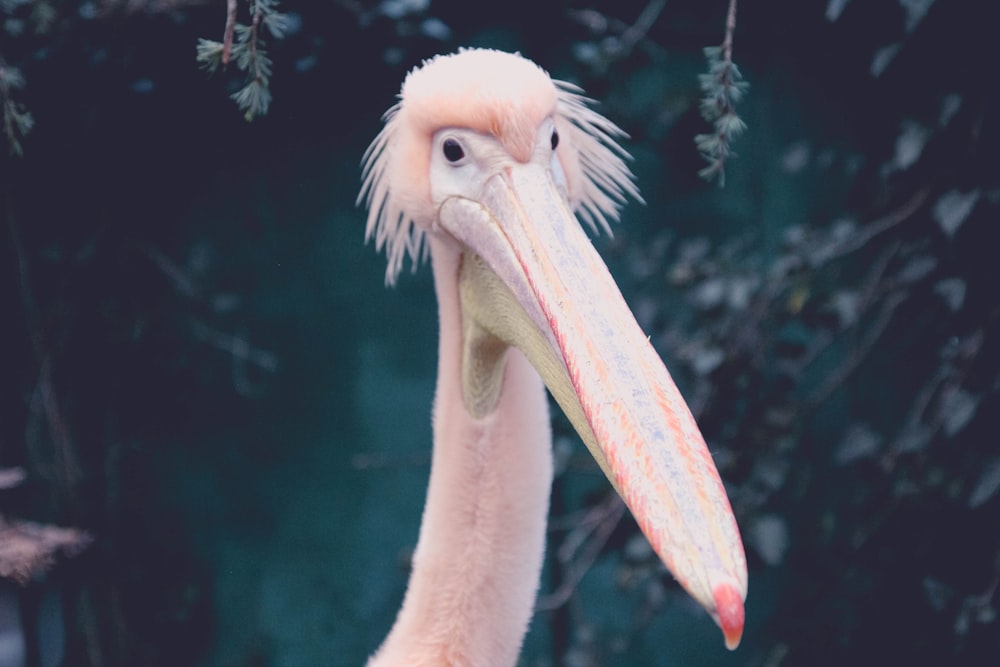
(496, 93)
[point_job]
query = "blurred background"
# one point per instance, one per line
(214, 418)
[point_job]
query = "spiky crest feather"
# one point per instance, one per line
(498, 93)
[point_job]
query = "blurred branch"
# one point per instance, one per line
(45, 404)
(237, 345)
(867, 291)
(581, 547)
(920, 424)
(619, 38)
(883, 224)
(183, 282)
(44, 401)
(638, 30)
(859, 354)
(241, 352)
(875, 288)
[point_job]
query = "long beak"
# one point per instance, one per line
(532, 279)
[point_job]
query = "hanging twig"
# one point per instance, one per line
(727, 43)
(581, 549)
(885, 223)
(227, 37)
(722, 87)
(44, 404)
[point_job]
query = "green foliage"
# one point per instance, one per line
(209, 54)
(771, 349)
(243, 45)
(723, 88)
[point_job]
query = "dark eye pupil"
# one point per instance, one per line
(453, 150)
(555, 139)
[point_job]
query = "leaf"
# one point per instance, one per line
(859, 442)
(952, 290)
(435, 29)
(209, 54)
(253, 99)
(637, 549)
(916, 268)
(397, 9)
(586, 52)
(987, 485)
(741, 288)
(939, 594)
(883, 57)
(951, 210)
(913, 439)
(708, 144)
(771, 473)
(834, 8)
(949, 107)
(710, 293)
(707, 359)
(845, 303)
(11, 77)
(915, 12)
(956, 408)
(730, 125)
(277, 24)
(769, 536)
(695, 250)
(910, 144)
(796, 157)
(21, 120)
(797, 299)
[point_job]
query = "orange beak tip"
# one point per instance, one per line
(729, 610)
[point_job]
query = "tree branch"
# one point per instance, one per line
(727, 43)
(227, 37)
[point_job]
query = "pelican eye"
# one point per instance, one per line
(452, 150)
(555, 139)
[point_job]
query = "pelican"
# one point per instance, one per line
(481, 165)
